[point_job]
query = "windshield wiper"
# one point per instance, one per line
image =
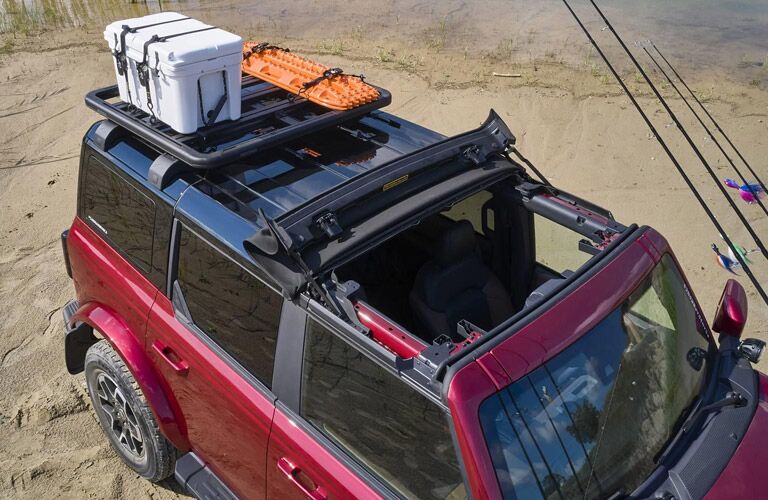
(733, 398)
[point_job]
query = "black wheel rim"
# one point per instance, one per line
(120, 418)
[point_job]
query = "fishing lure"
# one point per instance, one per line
(725, 262)
(743, 252)
(748, 192)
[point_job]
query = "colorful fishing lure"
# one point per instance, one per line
(748, 192)
(725, 262)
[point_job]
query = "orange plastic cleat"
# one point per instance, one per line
(328, 87)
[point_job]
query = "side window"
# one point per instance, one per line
(384, 425)
(557, 247)
(120, 212)
(233, 307)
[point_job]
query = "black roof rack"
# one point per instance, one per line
(270, 116)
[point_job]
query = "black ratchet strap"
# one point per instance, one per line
(261, 47)
(143, 67)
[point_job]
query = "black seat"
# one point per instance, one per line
(457, 285)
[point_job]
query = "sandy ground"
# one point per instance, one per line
(572, 122)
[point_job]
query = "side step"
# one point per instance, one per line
(199, 481)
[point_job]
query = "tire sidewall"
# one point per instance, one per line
(96, 362)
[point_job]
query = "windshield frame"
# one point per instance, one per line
(538, 336)
(561, 424)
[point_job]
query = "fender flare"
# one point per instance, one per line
(159, 396)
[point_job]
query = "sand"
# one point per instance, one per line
(572, 122)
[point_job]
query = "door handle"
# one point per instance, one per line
(292, 472)
(181, 367)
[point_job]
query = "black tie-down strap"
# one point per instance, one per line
(261, 47)
(119, 55)
(327, 75)
(143, 67)
(209, 118)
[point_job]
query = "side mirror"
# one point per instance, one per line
(731, 314)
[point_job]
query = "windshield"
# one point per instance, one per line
(589, 422)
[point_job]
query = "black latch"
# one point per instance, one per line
(473, 154)
(328, 223)
(530, 189)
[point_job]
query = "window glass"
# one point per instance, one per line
(591, 421)
(234, 308)
(557, 247)
(386, 426)
(120, 212)
(471, 209)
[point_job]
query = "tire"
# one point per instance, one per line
(125, 416)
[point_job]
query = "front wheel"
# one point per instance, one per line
(125, 416)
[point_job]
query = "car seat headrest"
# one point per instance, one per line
(456, 243)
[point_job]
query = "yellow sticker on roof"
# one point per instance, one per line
(389, 185)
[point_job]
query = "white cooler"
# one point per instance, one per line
(179, 70)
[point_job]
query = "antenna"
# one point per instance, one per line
(666, 149)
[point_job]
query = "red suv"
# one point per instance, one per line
(342, 304)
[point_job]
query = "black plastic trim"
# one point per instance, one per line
(65, 251)
(199, 480)
(78, 338)
(289, 355)
(107, 134)
(164, 169)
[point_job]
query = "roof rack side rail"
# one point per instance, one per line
(270, 118)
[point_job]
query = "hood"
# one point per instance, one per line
(744, 476)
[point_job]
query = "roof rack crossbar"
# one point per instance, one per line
(271, 116)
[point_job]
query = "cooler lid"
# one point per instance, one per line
(188, 40)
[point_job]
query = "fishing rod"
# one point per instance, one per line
(709, 132)
(672, 157)
(712, 118)
(688, 139)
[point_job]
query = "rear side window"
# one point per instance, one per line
(120, 212)
(387, 427)
(230, 305)
(557, 247)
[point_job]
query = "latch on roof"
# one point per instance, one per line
(328, 223)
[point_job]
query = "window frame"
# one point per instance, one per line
(181, 311)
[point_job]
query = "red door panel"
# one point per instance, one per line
(298, 467)
(228, 419)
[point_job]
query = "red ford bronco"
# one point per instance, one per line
(342, 304)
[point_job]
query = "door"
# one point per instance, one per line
(355, 429)
(215, 344)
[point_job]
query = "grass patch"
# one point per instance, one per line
(333, 46)
(385, 55)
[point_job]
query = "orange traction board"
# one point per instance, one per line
(328, 87)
